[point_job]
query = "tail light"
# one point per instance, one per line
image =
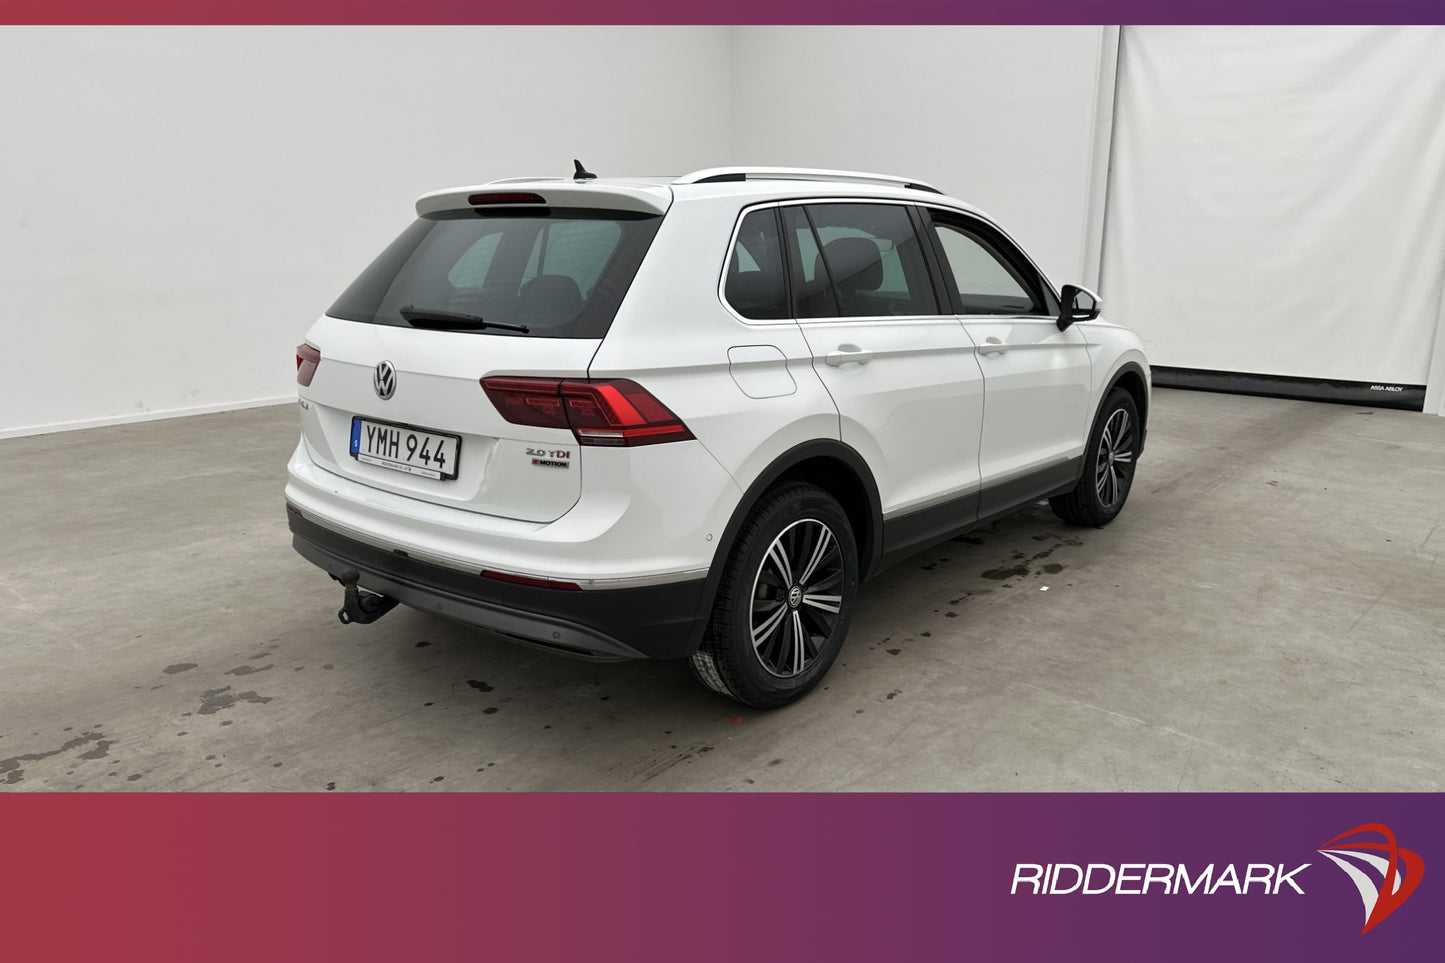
(307, 358)
(614, 413)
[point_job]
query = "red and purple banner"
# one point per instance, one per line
(711, 877)
(721, 11)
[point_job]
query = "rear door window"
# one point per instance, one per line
(870, 257)
(561, 272)
(812, 291)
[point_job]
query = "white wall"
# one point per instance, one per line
(178, 204)
(1001, 117)
(1277, 204)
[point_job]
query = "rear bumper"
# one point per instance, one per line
(653, 621)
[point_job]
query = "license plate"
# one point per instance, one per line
(404, 448)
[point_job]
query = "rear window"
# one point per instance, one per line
(561, 272)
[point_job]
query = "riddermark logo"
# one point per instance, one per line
(1400, 871)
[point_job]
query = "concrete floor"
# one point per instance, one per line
(1267, 614)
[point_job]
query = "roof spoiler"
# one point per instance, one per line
(560, 192)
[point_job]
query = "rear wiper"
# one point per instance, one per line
(434, 320)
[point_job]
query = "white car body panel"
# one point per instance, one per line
(635, 523)
(912, 404)
(1037, 386)
(946, 409)
(678, 340)
(438, 387)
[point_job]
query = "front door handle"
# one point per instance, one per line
(847, 354)
(992, 346)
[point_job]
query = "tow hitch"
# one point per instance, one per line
(360, 606)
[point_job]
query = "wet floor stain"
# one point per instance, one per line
(248, 669)
(479, 686)
(215, 700)
(100, 750)
(1020, 567)
(12, 770)
(179, 667)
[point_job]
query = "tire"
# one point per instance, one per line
(794, 559)
(1109, 462)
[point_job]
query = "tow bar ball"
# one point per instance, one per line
(359, 606)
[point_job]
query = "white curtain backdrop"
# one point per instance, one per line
(1277, 199)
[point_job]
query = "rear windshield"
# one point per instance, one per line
(561, 272)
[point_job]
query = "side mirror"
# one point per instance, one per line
(1078, 304)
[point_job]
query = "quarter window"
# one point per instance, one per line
(471, 268)
(755, 287)
(578, 250)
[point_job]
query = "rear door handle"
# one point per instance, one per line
(992, 346)
(847, 354)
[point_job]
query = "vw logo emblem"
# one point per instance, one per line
(384, 380)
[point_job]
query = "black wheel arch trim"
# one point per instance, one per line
(870, 542)
(1141, 401)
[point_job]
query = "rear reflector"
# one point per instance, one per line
(307, 358)
(614, 413)
(510, 197)
(533, 582)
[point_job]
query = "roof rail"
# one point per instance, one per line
(716, 175)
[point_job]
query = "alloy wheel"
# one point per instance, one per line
(1116, 459)
(796, 597)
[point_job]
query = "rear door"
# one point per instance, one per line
(1037, 379)
(398, 405)
(898, 364)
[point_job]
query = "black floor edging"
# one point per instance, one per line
(1372, 394)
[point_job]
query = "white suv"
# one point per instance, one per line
(686, 417)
